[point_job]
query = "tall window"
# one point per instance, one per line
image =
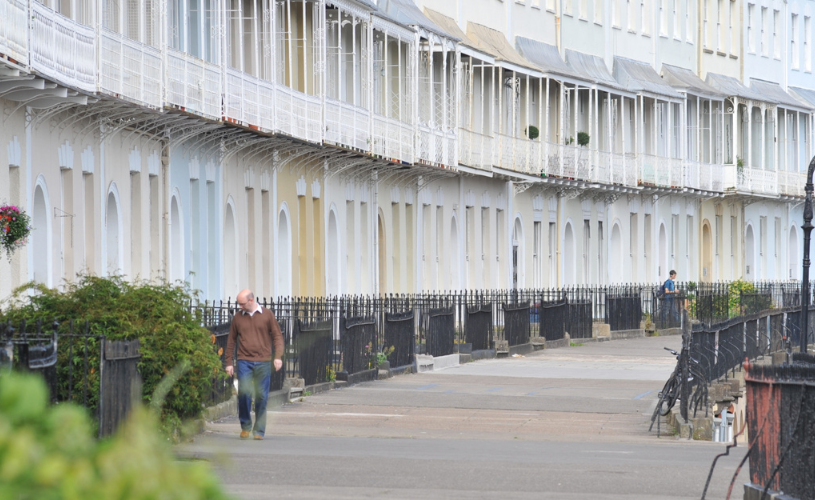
(615, 13)
(730, 31)
(584, 9)
(776, 30)
(796, 57)
(663, 18)
(765, 32)
(644, 17)
(550, 5)
(552, 250)
(807, 44)
(568, 8)
(598, 11)
(586, 251)
(688, 26)
(631, 12)
(677, 28)
(719, 25)
(600, 247)
(705, 9)
(536, 255)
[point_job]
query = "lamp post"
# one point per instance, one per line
(807, 227)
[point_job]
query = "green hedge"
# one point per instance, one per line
(49, 452)
(157, 315)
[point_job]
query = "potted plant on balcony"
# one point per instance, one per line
(15, 226)
(532, 132)
(740, 168)
(583, 139)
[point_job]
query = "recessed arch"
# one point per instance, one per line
(707, 252)
(518, 252)
(176, 239)
(662, 271)
(453, 256)
(382, 254)
(749, 253)
(616, 254)
(113, 232)
(333, 255)
(41, 234)
(230, 251)
(284, 263)
(569, 260)
(793, 261)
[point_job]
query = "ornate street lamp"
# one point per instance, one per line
(807, 227)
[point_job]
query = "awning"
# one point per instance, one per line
(494, 42)
(807, 96)
(640, 77)
(546, 57)
(591, 68)
(731, 87)
(406, 13)
(774, 92)
(685, 80)
(449, 25)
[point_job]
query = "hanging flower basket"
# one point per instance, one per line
(15, 225)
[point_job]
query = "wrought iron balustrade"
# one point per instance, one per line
(14, 30)
(475, 150)
(249, 100)
(130, 69)
(347, 125)
(62, 49)
(752, 180)
(298, 115)
(393, 139)
(193, 85)
(791, 183)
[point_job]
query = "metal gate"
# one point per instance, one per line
(440, 331)
(478, 326)
(120, 384)
(553, 319)
(516, 323)
(357, 343)
(399, 330)
(313, 345)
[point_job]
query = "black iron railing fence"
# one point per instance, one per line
(100, 374)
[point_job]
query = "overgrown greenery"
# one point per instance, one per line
(49, 452)
(157, 315)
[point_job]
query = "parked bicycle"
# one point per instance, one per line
(671, 392)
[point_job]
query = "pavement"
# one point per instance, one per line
(568, 423)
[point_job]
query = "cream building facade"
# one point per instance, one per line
(351, 146)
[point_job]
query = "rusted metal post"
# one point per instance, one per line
(807, 227)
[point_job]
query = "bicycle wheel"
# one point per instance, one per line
(669, 397)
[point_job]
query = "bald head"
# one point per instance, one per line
(246, 300)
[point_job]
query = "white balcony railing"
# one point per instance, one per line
(571, 162)
(249, 101)
(14, 30)
(193, 85)
(130, 69)
(298, 115)
(750, 180)
(392, 139)
(792, 183)
(475, 150)
(432, 146)
(347, 125)
(62, 49)
(691, 175)
(519, 154)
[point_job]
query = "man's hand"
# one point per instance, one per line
(230, 370)
(278, 364)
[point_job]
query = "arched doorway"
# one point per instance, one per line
(707, 253)
(39, 238)
(333, 266)
(176, 242)
(662, 271)
(382, 256)
(568, 255)
(284, 262)
(616, 255)
(230, 254)
(793, 263)
(455, 260)
(749, 254)
(517, 254)
(114, 264)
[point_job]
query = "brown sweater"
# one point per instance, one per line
(254, 335)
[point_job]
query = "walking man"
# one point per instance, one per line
(669, 289)
(254, 329)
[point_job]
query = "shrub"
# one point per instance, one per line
(157, 315)
(532, 132)
(582, 138)
(48, 452)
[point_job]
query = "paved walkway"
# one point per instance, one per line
(567, 423)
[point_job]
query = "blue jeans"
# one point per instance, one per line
(253, 383)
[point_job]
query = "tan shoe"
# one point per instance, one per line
(244, 434)
(258, 437)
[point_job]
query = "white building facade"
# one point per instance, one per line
(326, 147)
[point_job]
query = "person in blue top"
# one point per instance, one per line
(669, 290)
